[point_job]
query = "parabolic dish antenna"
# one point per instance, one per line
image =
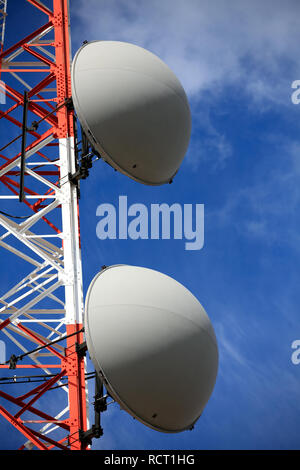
(132, 108)
(153, 345)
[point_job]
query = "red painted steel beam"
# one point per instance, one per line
(33, 107)
(41, 414)
(42, 84)
(4, 323)
(32, 366)
(15, 121)
(62, 127)
(24, 70)
(63, 66)
(11, 109)
(49, 440)
(24, 430)
(77, 394)
(43, 8)
(29, 147)
(34, 207)
(15, 96)
(28, 38)
(8, 181)
(40, 341)
(41, 392)
(42, 173)
(34, 390)
(38, 56)
(31, 392)
(58, 442)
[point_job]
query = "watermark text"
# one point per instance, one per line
(296, 354)
(159, 221)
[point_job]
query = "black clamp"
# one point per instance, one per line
(86, 162)
(87, 436)
(13, 361)
(83, 171)
(81, 349)
(69, 104)
(100, 405)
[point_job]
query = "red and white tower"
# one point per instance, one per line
(45, 304)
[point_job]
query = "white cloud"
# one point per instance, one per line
(212, 146)
(209, 44)
(247, 48)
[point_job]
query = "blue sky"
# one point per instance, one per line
(237, 61)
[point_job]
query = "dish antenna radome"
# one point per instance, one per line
(132, 108)
(153, 345)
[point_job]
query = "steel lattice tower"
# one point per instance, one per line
(47, 304)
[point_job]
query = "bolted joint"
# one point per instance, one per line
(57, 20)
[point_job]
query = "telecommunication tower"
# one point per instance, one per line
(47, 304)
(149, 339)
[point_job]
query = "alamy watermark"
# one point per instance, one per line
(295, 357)
(295, 97)
(159, 221)
(2, 352)
(2, 92)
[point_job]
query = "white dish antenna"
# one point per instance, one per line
(153, 345)
(132, 108)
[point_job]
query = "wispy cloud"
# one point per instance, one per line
(216, 48)
(267, 207)
(208, 44)
(208, 144)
